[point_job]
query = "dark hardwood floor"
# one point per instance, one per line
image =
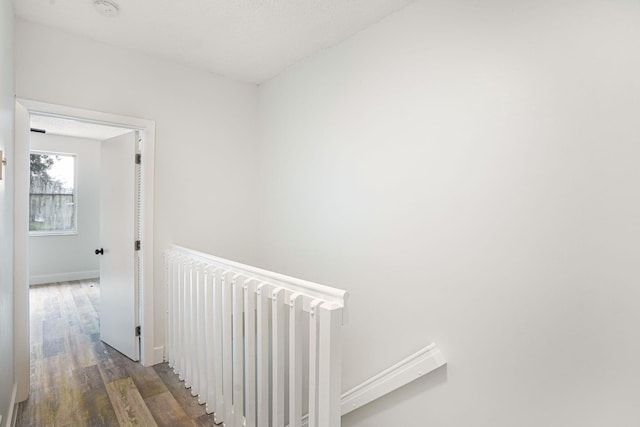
(77, 380)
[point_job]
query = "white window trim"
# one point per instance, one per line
(74, 232)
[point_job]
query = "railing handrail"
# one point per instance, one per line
(323, 292)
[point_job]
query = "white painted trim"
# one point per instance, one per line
(413, 367)
(21, 253)
(63, 277)
(11, 410)
(24, 108)
(87, 116)
(147, 357)
(409, 369)
(158, 355)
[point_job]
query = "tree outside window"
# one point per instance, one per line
(52, 199)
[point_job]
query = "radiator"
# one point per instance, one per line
(258, 348)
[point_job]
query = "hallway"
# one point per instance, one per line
(77, 380)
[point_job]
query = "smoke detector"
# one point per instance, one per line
(106, 7)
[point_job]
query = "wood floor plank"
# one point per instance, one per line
(53, 346)
(111, 367)
(51, 307)
(51, 372)
(55, 404)
(167, 411)
(148, 382)
(76, 378)
(79, 296)
(129, 406)
(165, 372)
(204, 421)
(81, 351)
(95, 406)
(179, 392)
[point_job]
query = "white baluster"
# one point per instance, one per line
(176, 316)
(209, 312)
(170, 312)
(183, 320)
(192, 359)
(262, 354)
(295, 360)
(277, 358)
(218, 348)
(202, 370)
(250, 352)
(314, 355)
(195, 344)
(238, 350)
(227, 347)
(175, 299)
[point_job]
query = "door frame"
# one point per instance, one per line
(24, 109)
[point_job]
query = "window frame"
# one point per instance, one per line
(36, 233)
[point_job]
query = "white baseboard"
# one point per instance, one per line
(413, 367)
(11, 410)
(158, 355)
(405, 371)
(63, 277)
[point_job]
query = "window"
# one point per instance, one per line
(52, 196)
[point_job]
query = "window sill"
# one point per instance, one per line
(52, 233)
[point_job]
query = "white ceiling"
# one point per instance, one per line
(75, 128)
(249, 40)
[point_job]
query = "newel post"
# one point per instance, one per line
(326, 349)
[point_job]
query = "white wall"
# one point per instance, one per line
(470, 172)
(6, 208)
(205, 136)
(71, 257)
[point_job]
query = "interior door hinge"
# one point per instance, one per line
(138, 330)
(138, 158)
(137, 245)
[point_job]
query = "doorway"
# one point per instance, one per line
(77, 205)
(145, 129)
(64, 198)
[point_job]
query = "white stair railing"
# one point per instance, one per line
(258, 348)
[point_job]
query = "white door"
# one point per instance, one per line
(118, 284)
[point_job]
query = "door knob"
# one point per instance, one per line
(100, 251)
